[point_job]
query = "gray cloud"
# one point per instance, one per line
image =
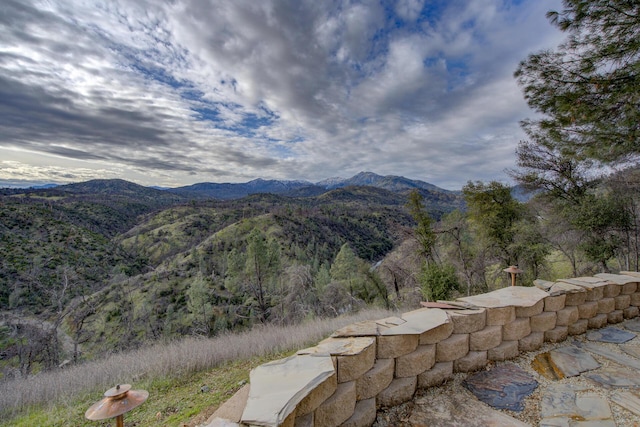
(213, 89)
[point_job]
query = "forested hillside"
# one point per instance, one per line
(105, 265)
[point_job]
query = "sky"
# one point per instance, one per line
(176, 92)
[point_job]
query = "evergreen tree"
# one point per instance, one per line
(588, 88)
(198, 304)
(494, 212)
(261, 270)
(424, 224)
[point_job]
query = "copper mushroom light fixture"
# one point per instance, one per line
(116, 402)
(513, 270)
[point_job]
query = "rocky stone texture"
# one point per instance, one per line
(436, 375)
(454, 347)
(376, 379)
(615, 376)
(612, 335)
(561, 405)
(437, 334)
(593, 285)
(598, 321)
(611, 290)
(354, 356)
(503, 387)
(516, 296)
(458, 410)
(567, 316)
(615, 316)
(317, 396)
(518, 329)
(467, 321)
(555, 303)
(338, 408)
(576, 298)
(603, 351)
(412, 364)
(473, 361)
(531, 342)
(415, 322)
(571, 361)
(364, 414)
(628, 401)
(633, 325)
(631, 312)
(399, 391)
(505, 351)
(588, 310)
(500, 315)
(544, 321)
(392, 346)
(557, 334)
(488, 338)
(530, 311)
(622, 302)
(296, 377)
(305, 421)
(579, 327)
(606, 305)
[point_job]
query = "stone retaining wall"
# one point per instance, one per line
(365, 366)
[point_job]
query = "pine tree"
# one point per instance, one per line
(588, 88)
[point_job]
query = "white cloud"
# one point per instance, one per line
(233, 90)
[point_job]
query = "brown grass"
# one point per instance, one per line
(174, 359)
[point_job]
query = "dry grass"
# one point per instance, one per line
(171, 360)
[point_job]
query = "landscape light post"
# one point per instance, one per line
(117, 401)
(513, 270)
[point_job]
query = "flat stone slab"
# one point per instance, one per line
(613, 377)
(557, 288)
(628, 400)
(503, 387)
(632, 325)
(631, 350)
(561, 405)
(414, 322)
(620, 279)
(571, 361)
(586, 282)
(277, 387)
(340, 346)
(367, 328)
(456, 410)
(516, 296)
(601, 350)
(611, 335)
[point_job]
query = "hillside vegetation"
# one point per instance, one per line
(92, 268)
(91, 271)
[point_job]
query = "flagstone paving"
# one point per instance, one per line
(504, 387)
(588, 380)
(612, 335)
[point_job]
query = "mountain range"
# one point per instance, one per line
(227, 191)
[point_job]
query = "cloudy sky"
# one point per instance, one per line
(173, 92)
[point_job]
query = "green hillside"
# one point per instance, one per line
(112, 265)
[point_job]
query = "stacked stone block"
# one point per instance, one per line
(382, 363)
